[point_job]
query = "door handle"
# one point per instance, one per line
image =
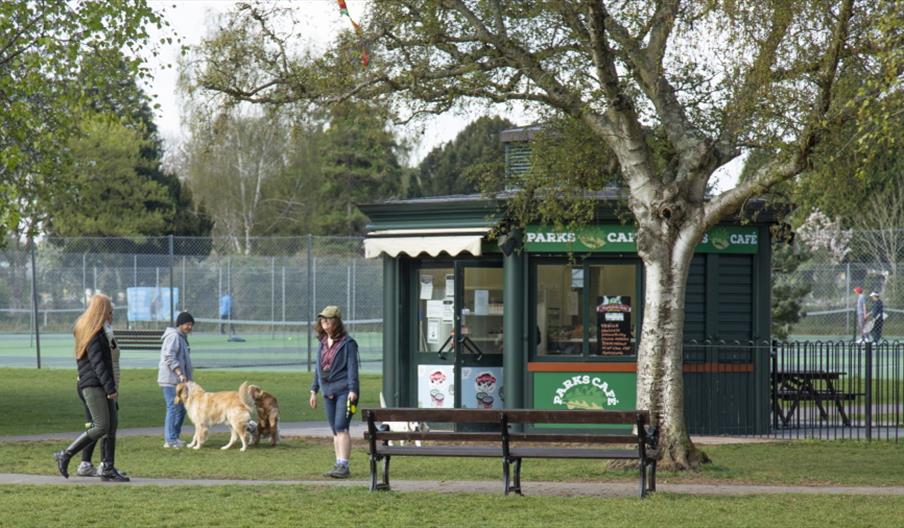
(472, 347)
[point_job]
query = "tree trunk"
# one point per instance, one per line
(660, 373)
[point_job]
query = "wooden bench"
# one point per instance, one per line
(138, 339)
(511, 447)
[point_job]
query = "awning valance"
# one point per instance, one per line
(414, 242)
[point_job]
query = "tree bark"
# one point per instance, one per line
(666, 254)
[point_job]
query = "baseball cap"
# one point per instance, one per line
(874, 294)
(330, 312)
(858, 290)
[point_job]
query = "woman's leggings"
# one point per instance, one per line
(103, 412)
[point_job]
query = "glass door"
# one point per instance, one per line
(480, 338)
(459, 357)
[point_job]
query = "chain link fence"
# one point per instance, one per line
(277, 285)
(872, 260)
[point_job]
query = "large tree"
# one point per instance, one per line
(714, 76)
(45, 48)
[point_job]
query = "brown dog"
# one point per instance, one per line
(267, 415)
(210, 408)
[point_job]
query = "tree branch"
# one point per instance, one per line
(777, 172)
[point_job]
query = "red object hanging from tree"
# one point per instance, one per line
(343, 10)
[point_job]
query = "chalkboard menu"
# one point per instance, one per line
(613, 320)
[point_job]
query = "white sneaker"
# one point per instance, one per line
(86, 469)
(177, 444)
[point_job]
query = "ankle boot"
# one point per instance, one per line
(63, 457)
(111, 474)
(108, 471)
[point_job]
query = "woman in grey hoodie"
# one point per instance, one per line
(175, 367)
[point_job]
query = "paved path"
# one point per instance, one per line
(563, 489)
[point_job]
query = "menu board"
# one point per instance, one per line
(613, 320)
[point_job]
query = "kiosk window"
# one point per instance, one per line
(436, 295)
(612, 298)
(560, 309)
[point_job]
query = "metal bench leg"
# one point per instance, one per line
(517, 488)
(385, 484)
(506, 476)
(643, 478)
(652, 484)
(373, 473)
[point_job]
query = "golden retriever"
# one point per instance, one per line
(211, 408)
(267, 415)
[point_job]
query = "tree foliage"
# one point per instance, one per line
(45, 78)
(105, 194)
(458, 166)
(673, 89)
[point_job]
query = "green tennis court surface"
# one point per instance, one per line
(259, 351)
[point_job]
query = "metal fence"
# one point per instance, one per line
(278, 284)
(828, 390)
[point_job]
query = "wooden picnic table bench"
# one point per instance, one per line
(138, 339)
(510, 447)
(796, 386)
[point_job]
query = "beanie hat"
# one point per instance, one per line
(858, 290)
(184, 317)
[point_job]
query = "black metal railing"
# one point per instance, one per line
(800, 389)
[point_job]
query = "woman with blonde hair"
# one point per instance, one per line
(97, 381)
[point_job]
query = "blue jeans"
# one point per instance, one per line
(175, 415)
(335, 408)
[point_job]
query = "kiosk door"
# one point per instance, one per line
(459, 361)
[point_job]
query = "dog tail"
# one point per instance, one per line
(245, 396)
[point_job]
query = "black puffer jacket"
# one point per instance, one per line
(95, 368)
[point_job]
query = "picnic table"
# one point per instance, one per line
(818, 386)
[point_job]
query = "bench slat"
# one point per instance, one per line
(551, 452)
(450, 451)
(513, 416)
(453, 436)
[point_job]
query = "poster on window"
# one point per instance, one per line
(435, 386)
(481, 388)
(613, 319)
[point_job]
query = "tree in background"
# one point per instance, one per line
(359, 164)
(105, 194)
(716, 77)
(44, 77)
(457, 167)
(230, 160)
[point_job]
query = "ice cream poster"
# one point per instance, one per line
(435, 386)
(481, 388)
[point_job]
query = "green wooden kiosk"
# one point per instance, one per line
(553, 322)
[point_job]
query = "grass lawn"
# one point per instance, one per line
(124, 505)
(44, 401)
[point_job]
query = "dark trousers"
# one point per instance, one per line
(103, 413)
(223, 320)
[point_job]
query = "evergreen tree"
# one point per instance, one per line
(455, 167)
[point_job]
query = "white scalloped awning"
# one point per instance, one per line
(414, 242)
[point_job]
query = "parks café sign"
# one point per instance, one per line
(620, 239)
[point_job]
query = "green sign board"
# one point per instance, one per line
(585, 390)
(620, 239)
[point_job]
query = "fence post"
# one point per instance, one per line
(172, 263)
(272, 297)
(310, 295)
(284, 293)
(34, 302)
(847, 290)
(868, 398)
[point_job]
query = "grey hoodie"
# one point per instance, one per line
(174, 354)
